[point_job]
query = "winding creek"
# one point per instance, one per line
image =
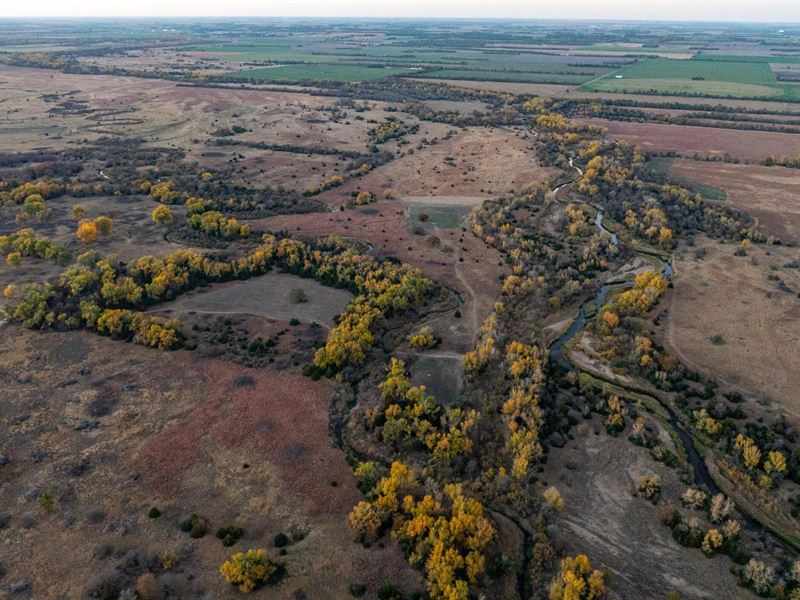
(700, 471)
(701, 474)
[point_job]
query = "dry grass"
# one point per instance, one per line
(597, 476)
(485, 162)
(759, 324)
(267, 296)
(238, 445)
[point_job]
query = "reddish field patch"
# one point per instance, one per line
(705, 141)
(283, 415)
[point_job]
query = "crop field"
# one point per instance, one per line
(743, 58)
(703, 141)
(321, 73)
(509, 76)
(713, 78)
(634, 47)
(304, 58)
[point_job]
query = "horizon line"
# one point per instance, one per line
(405, 18)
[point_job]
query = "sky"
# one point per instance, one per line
(776, 11)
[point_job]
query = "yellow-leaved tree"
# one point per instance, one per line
(87, 232)
(576, 580)
(248, 570)
(162, 215)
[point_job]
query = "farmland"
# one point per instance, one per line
(399, 309)
(714, 78)
(321, 73)
(702, 141)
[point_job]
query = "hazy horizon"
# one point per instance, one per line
(744, 11)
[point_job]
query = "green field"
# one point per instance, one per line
(665, 68)
(696, 77)
(320, 72)
(748, 59)
(637, 49)
(474, 64)
(512, 76)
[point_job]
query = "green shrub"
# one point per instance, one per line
(229, 535)
(357, 590)
(388, 592)
(196, 525)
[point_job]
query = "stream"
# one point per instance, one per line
(701, 474)
(697, 463)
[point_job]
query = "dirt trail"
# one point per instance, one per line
(446, 355)
(473, 302)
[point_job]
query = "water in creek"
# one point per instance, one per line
(701, 473)
(598, 221)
